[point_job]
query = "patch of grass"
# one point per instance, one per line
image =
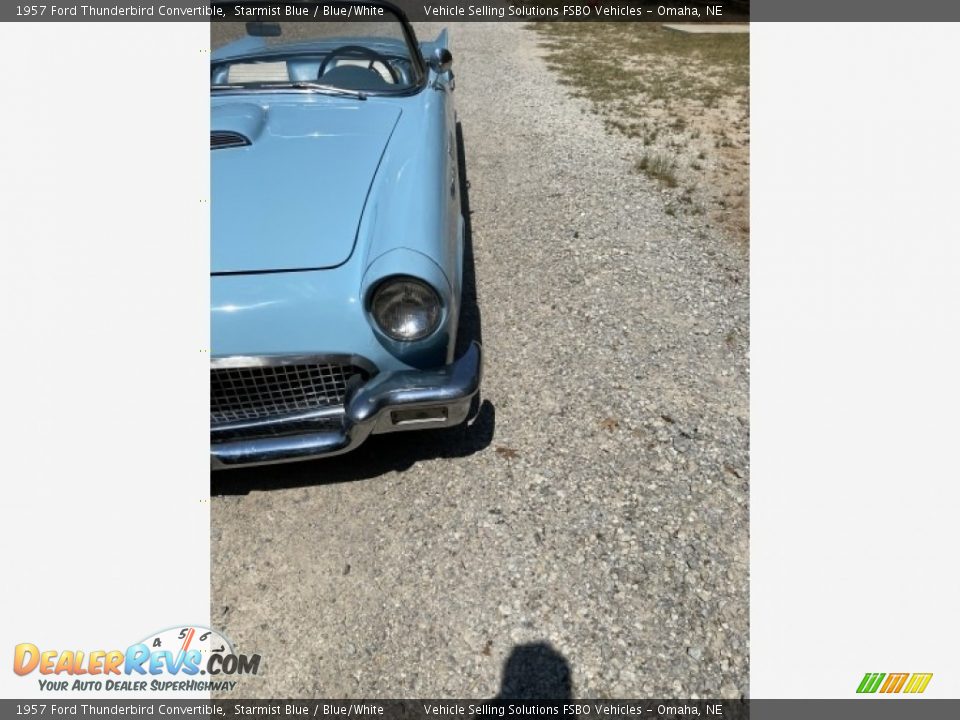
(678, 95)
(659, 167)
(665, 65)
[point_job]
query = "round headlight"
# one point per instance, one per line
(406, 309)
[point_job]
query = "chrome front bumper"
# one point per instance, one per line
(389, 402)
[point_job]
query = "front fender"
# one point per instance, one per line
(414, 201)
(317, 312)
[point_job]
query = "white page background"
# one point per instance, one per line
(104, 262)
(855, 306)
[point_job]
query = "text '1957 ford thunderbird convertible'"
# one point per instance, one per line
(337, 238)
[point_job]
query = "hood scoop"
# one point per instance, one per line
(227, 139)
(236, 125)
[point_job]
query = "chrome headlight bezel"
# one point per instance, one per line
(413, 296)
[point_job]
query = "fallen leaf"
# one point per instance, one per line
(732, 470)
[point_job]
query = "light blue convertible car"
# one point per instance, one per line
(337, 238)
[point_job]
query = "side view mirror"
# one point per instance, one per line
(441, 60)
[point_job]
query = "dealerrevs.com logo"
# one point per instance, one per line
(184, 658)
(910, 683)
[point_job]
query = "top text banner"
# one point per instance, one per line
(685, 11)
(667, 11)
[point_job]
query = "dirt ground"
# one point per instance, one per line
(585, 535)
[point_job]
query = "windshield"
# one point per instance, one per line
(368, 56)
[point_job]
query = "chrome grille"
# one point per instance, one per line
(270, 391)
(227, 139)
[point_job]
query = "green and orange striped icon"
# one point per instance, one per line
(894, 682)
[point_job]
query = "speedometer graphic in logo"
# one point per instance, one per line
(182, 639)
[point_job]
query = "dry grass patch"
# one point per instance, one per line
(684, 97)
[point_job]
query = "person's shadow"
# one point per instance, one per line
(535, 671)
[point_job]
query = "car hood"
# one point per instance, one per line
(291, 197)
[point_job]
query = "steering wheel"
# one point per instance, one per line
(366, 53)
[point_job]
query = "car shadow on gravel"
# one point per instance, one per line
(393, 452)
(379, 455)
(471, 327)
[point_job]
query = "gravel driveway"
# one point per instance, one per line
(588, 534)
